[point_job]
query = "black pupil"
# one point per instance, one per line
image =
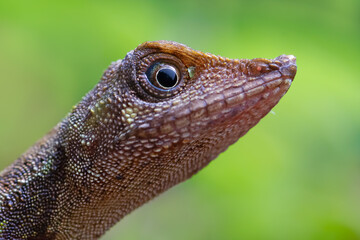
(166, 77)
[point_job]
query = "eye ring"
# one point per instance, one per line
(163, 75)
(151, 67)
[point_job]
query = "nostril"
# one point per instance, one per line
(274, 66)
(259, 66)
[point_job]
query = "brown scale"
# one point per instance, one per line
(155, 118)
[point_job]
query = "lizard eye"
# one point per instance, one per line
(163, 76)
(160, 76)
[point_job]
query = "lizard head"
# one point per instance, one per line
(164, 99)
(181, 95)
(163, 113)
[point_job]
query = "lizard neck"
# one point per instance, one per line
(31, 186)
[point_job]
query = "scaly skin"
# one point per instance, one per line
(128, 140)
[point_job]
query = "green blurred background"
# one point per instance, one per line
(294, 176)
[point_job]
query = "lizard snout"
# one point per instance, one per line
(288, 68)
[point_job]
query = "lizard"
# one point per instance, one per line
(155, 118)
